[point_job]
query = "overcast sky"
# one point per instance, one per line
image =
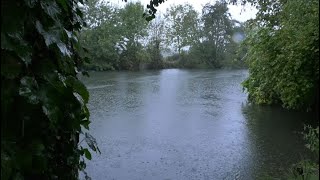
(239, 13)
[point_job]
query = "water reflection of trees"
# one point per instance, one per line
(275, 133)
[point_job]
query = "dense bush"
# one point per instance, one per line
(283, 55)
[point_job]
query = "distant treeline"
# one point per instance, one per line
(121, 38)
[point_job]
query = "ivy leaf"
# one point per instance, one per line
(31, 3)
(69, 33)
(53, 36)
(13, 16)
(51, 8)
(91, 141)
(87, 154)
(64, 4)
(78, 87)
(6, 165)
(5, 43)
(10, 66)
(79, 13)
(38, 148)
(18, 176)
(14, 42)
(82, 164)
(63, 49)
(51, 96)
(79, 98)
(48, 37)
(85, 124)
(51, 111)
(24, 159)
(28, 89)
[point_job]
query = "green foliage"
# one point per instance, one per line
(120, 39)
(114, 35)
(307, 169)
(181, 26)
(283, 55)
(156, 43)
(101, 35)
(312, 139)
(214, 38)
(304, 170)
(217, 30)
(43, 104)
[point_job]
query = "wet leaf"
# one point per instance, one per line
(63, 49)
(28, 89)
(10, 67)
(87, 154)
(49, 38)
(31, 3)
(91, 141)
(85, 124)
(64, 4)
(51, 8)
(78, 87)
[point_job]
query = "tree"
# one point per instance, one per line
(102, 37)
(235, 49)
(114, 36)
(156, 42)
(181, 26)
(217, 29)
(43, 104)
(133, 27)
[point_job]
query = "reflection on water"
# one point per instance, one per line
(276, 135)
(186, 124)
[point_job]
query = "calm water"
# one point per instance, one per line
(187, 124)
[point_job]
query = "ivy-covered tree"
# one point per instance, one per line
(43, 104)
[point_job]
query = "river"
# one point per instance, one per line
(187, 124)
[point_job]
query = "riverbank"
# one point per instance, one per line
(106, 68)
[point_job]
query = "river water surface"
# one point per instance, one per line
(187, 124)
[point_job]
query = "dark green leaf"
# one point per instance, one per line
(28, 89)
(5, 43)
(49, 38)
(78, 87)
(10, 66)
(64, 4)
(91, 141)
(63, 49)
(87, 154)
(51, 8)
(85, 124)
(38, 148)
(31, 3)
